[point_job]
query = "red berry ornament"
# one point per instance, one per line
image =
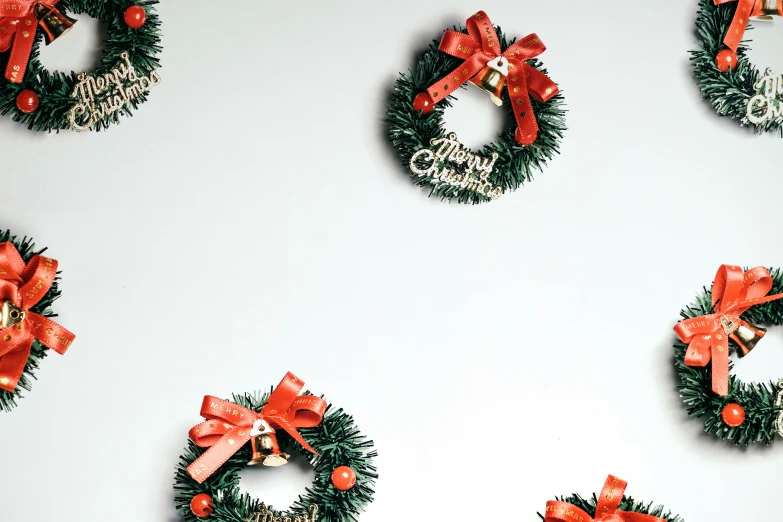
(733, 415)
(423, 103)
(135, 16)
(201, 505)
(343, 478)
(726, 60)
(27, 101)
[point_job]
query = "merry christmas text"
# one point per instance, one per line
(766, 105)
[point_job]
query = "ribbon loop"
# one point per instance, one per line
(24, 285)
(606, 509)
(228, 426)
(479, 47)
(734, 291)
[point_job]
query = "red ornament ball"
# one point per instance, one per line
(726, 60)
(201, 505)
(423, 103)
(27, 101)
(343, 478)
(135, 16)
(733, 415)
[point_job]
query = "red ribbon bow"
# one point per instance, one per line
(18, 25)
(228, 425)
(746, 9)
(478, 48)
(24, 286)
(605, 511)
(733, 292)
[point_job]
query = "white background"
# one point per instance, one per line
(251, 219)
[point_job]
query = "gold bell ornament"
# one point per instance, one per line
(744, 335)
(764, 10)
(266, 451)
(53, 23)
(492, 79)
(10, 315)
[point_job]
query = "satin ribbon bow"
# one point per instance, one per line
(24, 286)
(480, 47)
(605, 511)
(746, 9)
(228, 425)
(18, 25)
(733, 292)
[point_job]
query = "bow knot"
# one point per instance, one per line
(733, 293)
(22, 286)
(229, 426)
(746, 9)
(18, 26)
(606, 510)
(480, 48)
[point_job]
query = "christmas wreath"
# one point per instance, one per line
(726, 77)
(275, 423)
(723, 317)
(54, 101)
(610, 506)
(28, 287)
(511, 74)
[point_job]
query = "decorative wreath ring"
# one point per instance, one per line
(610, 506)
(532, 103)
(726, 77)
(275, 424)
(54, 101)
(724, 316)
(29, 284)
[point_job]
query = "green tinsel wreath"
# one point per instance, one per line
(27, 250)
(336, 438)
(54, 88)
(727, 92)
(627, 504)
(410, 130)
(757, 399)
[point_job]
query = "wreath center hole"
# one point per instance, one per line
(78, 50)
(281, 486)
(764, 362)
(765, 45)
(474, 118)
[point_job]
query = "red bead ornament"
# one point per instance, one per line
(27, 101)
(733, 415)
(423, 103)
(343, 478)
(135, 16)
(726, 60)
(201, 505)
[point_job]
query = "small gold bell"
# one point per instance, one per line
(492, 79)
(10, 315)
(265, 448)
(744, 335)
(53, 23)
(766, 9)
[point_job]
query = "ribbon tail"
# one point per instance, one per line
(698, 353)
(22, 49)
(292, 431)
(527, 126)
(541, 87)
(557, 511)
(12, 366)
(211, 460)
(51, 334)
(720, 366)
(738, 24)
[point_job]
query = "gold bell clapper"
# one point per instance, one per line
(53, 23)
(744, 335)
(764, 10)
(492, 79)
(10, 315)
(266, 451)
